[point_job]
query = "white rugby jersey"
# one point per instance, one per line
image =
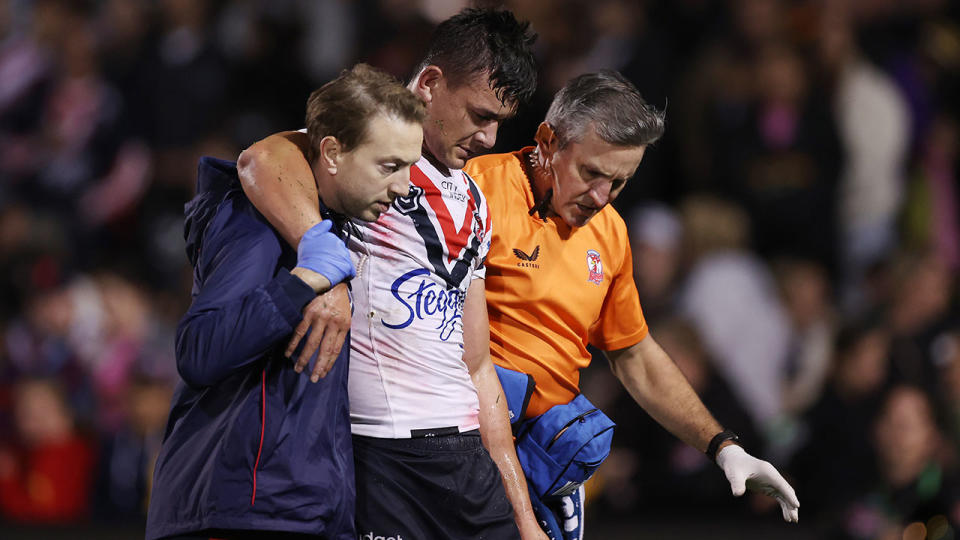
(414, 266)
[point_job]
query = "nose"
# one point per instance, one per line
(487, 136)
(600, 193)
(400, 186)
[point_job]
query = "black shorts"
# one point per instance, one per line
(431, 488)
(233, 534)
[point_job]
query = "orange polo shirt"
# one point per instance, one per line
(553, 289)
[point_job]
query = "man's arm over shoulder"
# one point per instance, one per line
(244, 305)
(278, 180)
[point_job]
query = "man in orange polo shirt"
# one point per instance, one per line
(559, 272)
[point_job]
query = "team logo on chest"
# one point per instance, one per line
(594, 267)
(410, 202)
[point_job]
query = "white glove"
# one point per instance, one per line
(745, 471)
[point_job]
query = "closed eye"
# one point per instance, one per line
(484, 116)
(592, 174)
(481, 118)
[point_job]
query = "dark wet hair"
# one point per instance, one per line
(493, 41)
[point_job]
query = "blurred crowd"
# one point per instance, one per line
(796, 234)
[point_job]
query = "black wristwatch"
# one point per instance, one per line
(717, 440)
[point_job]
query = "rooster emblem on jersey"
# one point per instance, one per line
(595, 267)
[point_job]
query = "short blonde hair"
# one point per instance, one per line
(343, 107)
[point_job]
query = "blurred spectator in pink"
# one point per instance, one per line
(72, 161)
(111, 326)
(76, 143)
(783, 162)
(46, 472)
(89, 332)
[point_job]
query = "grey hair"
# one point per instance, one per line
(612, 104)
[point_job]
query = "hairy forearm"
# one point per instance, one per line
(660, 388)
(277, 178)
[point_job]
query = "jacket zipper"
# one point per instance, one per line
(263, 422)
(578, 418)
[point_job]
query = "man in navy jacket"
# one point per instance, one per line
(252, 448)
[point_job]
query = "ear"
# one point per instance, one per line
(547, 140)
(426, 83)
(331, 152)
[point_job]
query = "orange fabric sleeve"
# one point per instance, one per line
(621, 322)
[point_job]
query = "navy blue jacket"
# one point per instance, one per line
(250, 444)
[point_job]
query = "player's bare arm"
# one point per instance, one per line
(494, 423)
(277, 179)
(658, 386)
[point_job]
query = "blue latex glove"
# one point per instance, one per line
(324, 253)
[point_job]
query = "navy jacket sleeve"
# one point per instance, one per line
(244, 303)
